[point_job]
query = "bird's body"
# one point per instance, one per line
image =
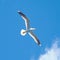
(28, 29)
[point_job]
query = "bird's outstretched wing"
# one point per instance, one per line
(34, 37)
(24, 18)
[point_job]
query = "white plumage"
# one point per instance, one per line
(28, 29)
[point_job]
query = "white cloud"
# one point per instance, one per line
(51, 54)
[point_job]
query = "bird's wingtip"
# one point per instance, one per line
(39, 44)
(18, 11)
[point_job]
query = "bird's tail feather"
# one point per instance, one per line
(32, 29)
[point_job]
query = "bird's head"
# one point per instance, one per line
(23, 32)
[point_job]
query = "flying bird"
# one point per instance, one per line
(28, 29)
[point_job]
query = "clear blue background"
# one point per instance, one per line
(44, 15)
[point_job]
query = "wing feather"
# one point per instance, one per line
(25, 19)
(34, 37)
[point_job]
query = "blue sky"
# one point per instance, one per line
(44, 15)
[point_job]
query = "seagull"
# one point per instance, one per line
(28, 29)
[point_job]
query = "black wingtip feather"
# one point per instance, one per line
(21, 13)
